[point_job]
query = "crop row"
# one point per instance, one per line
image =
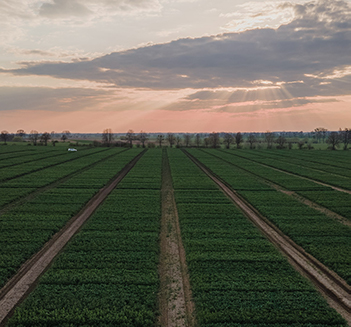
(22, 158)
(10, 173)
(321, 236)
(326, 165)
(14, 150)
(25, 228)
(237, 276)
(330, 158)
(24, 185)
(306, 170)
(107, 274)
(336, 201)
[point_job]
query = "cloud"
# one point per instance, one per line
(253, 14)
(34, 10)
(63, 8)
(278, 105)
(51, 99)
(242, 100)
(95, 8)
(311, 48)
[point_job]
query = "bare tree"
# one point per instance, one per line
(45, 137)
(130, 137)
(207, 141)
(107, 136)
(300, 144)
(142, 138)
(4, 136)
(65, 135)
(33, 136)
(228, 139)
(269, 137)
(324, 133)
(214, 140)
(187, 138)
(160, 138)
(170, 139)
(178, 141)
(320, 133)
(252, 140)
(198, 140)
(345, 136)
(238, 139)
(21, 133)
(281, 140)
(334, 140)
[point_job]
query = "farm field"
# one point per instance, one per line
(237, 276)
(328, 197)
(326, 239)
(323, 166)
(25, 228)
(107, 274)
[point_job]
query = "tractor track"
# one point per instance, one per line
(175, 298)
(20, 285)
(284, 157)
(331, 214)
(336, 188)
(50, 186)
(49, 166)
(33, 160)
(336, 291)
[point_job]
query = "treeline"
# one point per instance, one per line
(279, 140)
(34, 137)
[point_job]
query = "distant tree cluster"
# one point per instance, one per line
(280, 140)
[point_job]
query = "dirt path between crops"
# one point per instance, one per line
(19, 286)
(48, 187)
(176, 306)
(331, 214)
(336, 188)
(311, 204)
(335, 290)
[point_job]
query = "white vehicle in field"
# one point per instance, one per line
(72, 149)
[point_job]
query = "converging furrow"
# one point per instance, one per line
(334, 288)
(23, 282)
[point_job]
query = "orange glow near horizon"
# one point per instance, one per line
(304, 118)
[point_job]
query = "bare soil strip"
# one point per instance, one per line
(49, 166)
(333, 287)
(24, 281)
(314, 205)
(302, 166)
(339, 189)
(307, 178)
(31, 161)
(311, 204)
(39, 190)
(176, 306)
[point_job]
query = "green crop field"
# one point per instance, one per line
(108, 275)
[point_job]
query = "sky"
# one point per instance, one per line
(175, 65)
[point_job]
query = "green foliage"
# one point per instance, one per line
(333, 200)
(107, 275)
(25, 228)
(238, 278)
(306, 226)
